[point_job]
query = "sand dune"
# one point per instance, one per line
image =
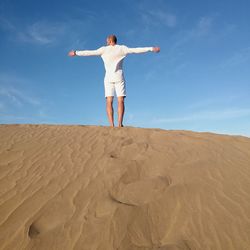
(98, 188)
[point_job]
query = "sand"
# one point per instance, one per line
(101, 188)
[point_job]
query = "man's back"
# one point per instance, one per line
(113, 56)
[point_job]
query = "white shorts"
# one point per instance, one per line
(115, 87)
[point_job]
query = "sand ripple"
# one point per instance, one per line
(98, 188)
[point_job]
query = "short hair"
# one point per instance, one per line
(113, 38)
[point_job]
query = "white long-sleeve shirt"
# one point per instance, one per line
(113, 56)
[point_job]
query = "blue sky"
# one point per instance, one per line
(199, 81)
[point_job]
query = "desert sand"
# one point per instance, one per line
(101, 188)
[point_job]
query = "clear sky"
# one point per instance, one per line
(199, 81)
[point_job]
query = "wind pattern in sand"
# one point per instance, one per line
(100, 188)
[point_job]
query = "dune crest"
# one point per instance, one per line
(98, 188)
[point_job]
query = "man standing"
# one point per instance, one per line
(113, 56)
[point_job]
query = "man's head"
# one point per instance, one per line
(111, 40)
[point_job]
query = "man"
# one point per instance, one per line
(113, 56)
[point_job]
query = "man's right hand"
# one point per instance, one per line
(72, 53)
(156, 49)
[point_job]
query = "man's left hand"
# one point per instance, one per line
(156, 49)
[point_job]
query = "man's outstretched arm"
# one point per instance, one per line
(141, 50)
(97, 52)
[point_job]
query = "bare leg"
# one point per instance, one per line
(110, 111)
(121, 110)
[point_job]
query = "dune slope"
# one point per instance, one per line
(98, 188)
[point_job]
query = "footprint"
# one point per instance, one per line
(127, 142)
(33, 231)
(181, 245)
(54, 215)
(114, 155)
(128, 148)
(141, 191)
